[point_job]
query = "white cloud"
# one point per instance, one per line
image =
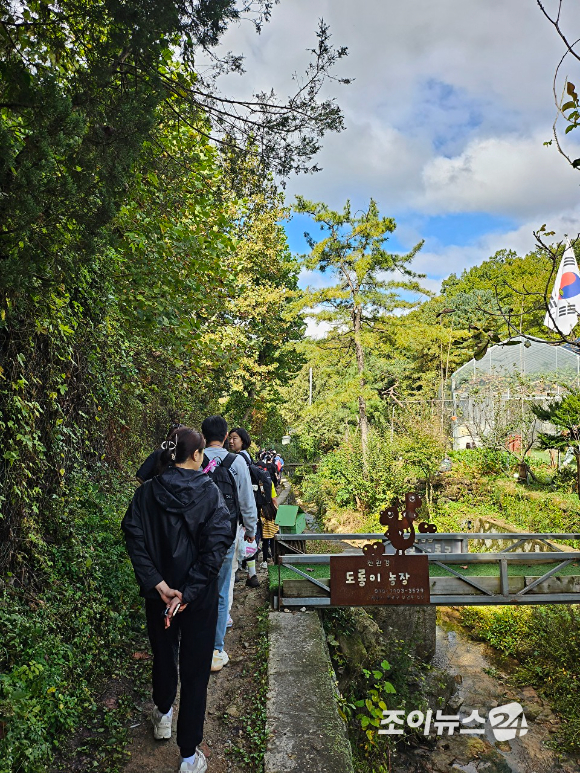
(317, 329)
(513, 176)
(451, 103)
(443, 260)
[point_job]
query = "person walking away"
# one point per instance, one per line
(234, 482)
(279, 464)
(266, 501)
(267, 458)
(178, 531)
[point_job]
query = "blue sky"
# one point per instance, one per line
(460, 229)
(446, 120)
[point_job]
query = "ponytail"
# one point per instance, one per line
(179, 445)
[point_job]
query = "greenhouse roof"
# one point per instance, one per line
(528, 358)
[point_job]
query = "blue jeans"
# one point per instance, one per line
(224, 580)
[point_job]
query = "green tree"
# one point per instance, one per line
(263, 319)
(95, 109)
(564, 414)
(354, 254)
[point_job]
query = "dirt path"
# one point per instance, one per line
(233, 721)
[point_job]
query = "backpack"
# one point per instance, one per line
(261, 482)
(219, 471)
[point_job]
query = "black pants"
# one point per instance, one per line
(189, 639)
(267, 549)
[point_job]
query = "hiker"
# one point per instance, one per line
(178, 531)
(231, 475)
(238, 442)
(269, 530)
(264, 489)
(267, 457)
(279, 464)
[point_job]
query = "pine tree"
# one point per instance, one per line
(353, 253)
(564, 415)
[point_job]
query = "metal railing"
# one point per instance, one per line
(454, 588)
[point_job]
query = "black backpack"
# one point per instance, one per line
(261, 482)
(224, 479)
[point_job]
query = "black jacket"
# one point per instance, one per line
(177, 529)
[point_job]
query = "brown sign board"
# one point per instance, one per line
(379, 579)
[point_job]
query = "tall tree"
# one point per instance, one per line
(353, 253)
(81, 85)
(264, 314)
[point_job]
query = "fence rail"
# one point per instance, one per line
(454, 588)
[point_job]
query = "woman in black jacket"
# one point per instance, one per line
(178, 530)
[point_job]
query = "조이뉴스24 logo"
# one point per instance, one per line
(506, 722)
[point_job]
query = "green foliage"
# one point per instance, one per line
(263, 321)
(482, 461)
(61, 642)
(392, 468)
(546, 642)
(340, 480)
(354, 254)
(374, 705)
(502, 281)
(571, 107)
(564, 414)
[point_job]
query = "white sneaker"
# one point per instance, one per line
(264, 565)
(219, 660)
(230, 622)
(161, 724)
(199, 765)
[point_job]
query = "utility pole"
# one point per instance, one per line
(310, 389)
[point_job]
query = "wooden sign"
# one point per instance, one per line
(378, 579)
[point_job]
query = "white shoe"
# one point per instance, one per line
(264, 565)
(199, 765)
(219, 660)
(161, 724)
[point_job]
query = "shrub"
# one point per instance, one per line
(59, 644)
(341, 477)
(484, 461)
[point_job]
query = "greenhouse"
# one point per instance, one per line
(492, 397)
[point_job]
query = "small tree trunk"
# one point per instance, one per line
(577, 455)
(248, 411)
(360, 363)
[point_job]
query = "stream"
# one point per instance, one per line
(482, 678)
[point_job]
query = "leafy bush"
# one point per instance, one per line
(342, 480)
(483, 461)
(60, 644)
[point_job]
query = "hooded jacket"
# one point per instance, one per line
(177, 528)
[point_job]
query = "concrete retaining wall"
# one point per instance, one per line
(305, 731)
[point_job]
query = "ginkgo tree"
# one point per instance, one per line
(369, 280)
